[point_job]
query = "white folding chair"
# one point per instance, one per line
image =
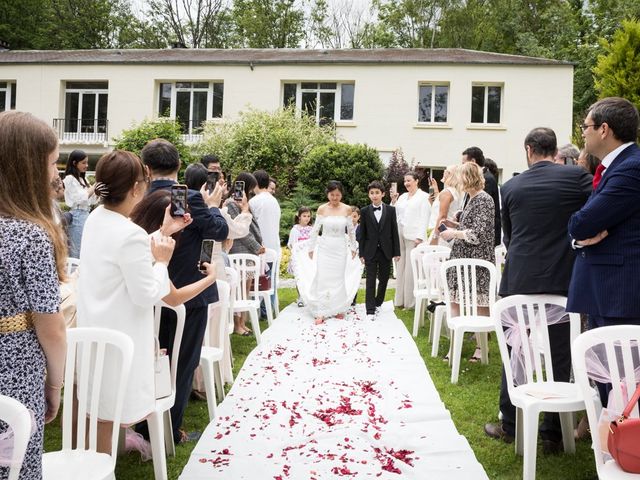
(88, 351)
(17, 418)
(538, 391)
(420, 281)
(212, 355)
(159, 421)
(270, 256)
(468, 319)
(72, 265)
(247, 267)
(620, 346)
(431, 264)
(501, 258)
(276, 301)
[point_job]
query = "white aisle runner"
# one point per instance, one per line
(350, 398)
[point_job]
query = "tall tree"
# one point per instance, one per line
(339, 24)
(269, 23)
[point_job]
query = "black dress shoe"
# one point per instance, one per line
(495, 430)
(552, 447)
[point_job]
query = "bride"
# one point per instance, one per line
(329, 284)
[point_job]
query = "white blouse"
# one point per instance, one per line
(413, 215)
(75, 195)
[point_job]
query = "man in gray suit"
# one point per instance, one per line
(536, 207)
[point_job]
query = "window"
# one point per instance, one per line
(191, 103)
(85, 111)
(327, 102)
(7, 96)
(486, 103)
(433, 103)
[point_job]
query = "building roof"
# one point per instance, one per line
(269, 56)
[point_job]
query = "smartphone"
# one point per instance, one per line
(206, 253)
(227, 177)
(442, 227)
(394, 188)
(178, 200)
(212, 179)
(238, 190)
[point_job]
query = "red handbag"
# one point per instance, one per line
(264, 282)
(624, 438)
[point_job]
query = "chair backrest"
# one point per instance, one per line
(501, 257)
(431, 264)
(224, 293)
(618, 348)
(177, 339)
(18, 419)
(72, 265)
(247, 266)
(271, 256)
(515, 313)
(465, 272)
(419, 277)
(88, 351)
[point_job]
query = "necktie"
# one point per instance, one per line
(375, 209)
(598, 175)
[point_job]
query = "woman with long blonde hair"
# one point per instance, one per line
(446, 204)
(32, 262)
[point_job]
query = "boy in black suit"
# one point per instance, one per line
(379, 244)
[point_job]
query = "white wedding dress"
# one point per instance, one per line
(329, 282)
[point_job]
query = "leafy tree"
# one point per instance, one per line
(617, 73)
(353, 165)
(268, 23)
(273, 141)
(134, 139)
(396, 170)
(339, 24)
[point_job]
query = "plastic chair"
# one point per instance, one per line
(72, 265)
(88, 351)
(270, 256)
(247, 267)
(501, 258)
(159, 421)
(276, 300)
(540, 393)
(431, 264)
(620, 345)
(212, 355)
(18, 419)
(420, 281)
(468, 319)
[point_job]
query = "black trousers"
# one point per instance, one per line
(559, 341)
(188, 359)
(378, 268)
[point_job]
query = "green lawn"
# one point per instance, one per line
(472, 403)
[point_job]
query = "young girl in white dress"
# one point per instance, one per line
(299, 234)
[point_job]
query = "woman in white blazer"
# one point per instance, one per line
(413, 211)
(122, 275)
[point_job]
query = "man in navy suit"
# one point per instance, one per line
(606, 231)
(163, 161)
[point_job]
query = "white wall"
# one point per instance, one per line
(385, 110)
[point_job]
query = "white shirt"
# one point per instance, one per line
(613, 154)
(413, 215)
(75, 195)
(266, 211)
(377, 212)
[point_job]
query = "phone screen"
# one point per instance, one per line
(394, 187)
(238, 190)
(227, 178)
(212, 179)
(206, 252)
(178, 200)
(442, 227)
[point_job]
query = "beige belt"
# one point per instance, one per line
(17, 323)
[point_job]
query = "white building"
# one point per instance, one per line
(431, 103)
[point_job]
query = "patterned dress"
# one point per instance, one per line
(478, 223)
(28, 283)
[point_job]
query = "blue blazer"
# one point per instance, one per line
(606, 276)
(207, 223)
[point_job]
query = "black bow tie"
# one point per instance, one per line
(375, 209)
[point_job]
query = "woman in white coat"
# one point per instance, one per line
(413, 211)
(122, 275)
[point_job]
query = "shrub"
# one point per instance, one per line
(272, 141)
(353, 165)
(137, 137)
(299, 197)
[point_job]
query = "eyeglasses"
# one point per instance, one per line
(584, 126)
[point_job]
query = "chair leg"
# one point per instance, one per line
(436, 322)
(253, 313)
(416, 317)
(530, 442)
(458, 336)
(267, 307)
(276, 304)
(209, 387)
(217, 376)
(568, 440)
(156, 436)
(169, 443)
(519, 428)
(484, 347)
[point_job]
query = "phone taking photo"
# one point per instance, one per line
(442, 227)
(238, 190)
(206, 253)
(394, 188)
(178, 200)
(212, 179)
